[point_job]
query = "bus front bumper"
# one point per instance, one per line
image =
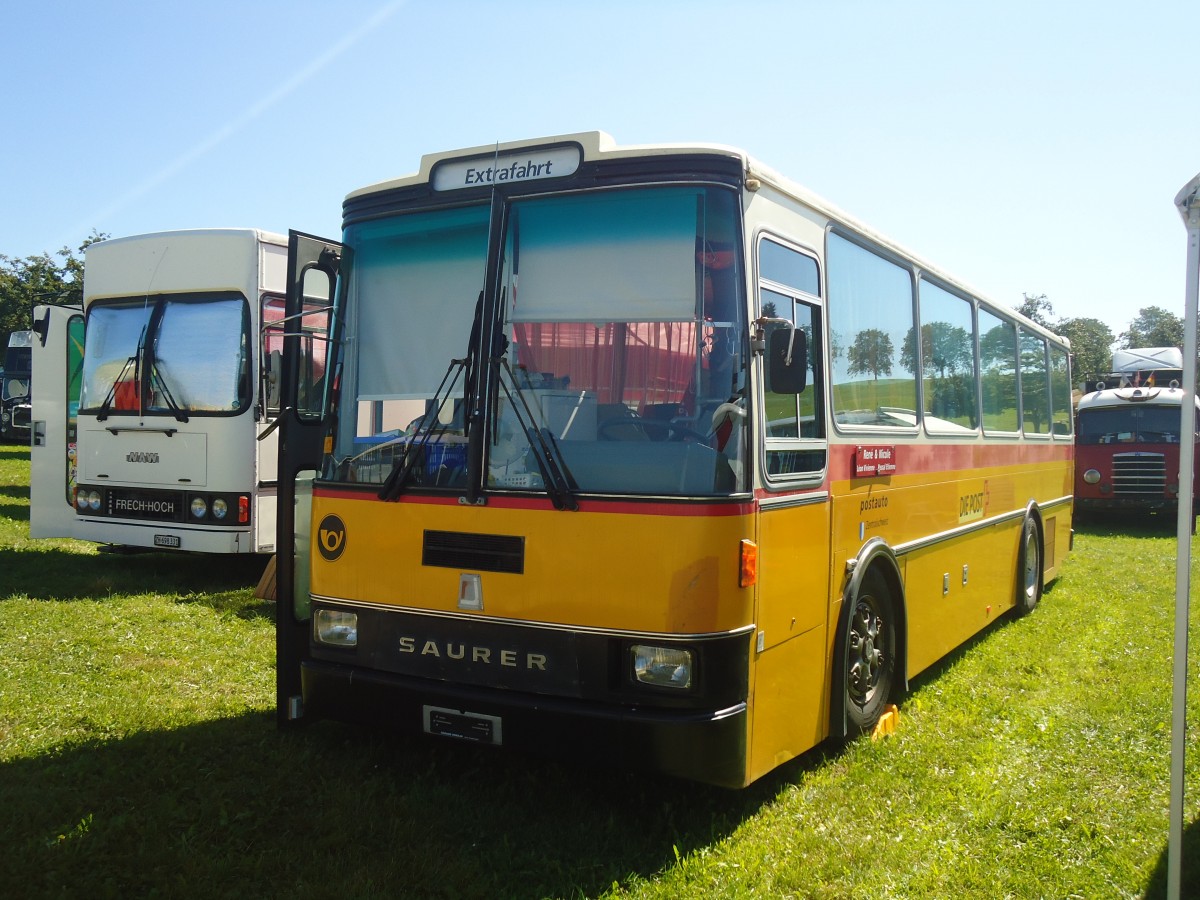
(705, 746)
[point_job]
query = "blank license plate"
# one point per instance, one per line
(467, 726)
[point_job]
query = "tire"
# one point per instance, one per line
(1029, 567)
(869, 654)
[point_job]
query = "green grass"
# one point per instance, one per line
(139, 757)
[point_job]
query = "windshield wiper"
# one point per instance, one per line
(106, 405)
(560, 484)
(423, 435)
(156, 377)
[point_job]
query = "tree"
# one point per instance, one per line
(1154, 327)
(945, 349)
(1038, 308)
(1091, 345)
(871, 353)
(39, 279)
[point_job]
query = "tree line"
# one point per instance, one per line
(1092, 341)
(49, 279)
(58, 280)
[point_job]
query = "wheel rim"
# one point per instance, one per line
(1032, 573)
(867, 663)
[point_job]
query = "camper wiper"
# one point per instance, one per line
(156, 377)
(106, 405)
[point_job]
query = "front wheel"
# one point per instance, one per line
(870, 653)
(1029, 568)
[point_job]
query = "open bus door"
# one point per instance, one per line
(306, 387)
(56, 377)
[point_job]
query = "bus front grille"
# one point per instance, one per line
(1139, 474)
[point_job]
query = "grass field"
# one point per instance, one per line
(139, 757)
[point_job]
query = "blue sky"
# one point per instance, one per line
(1025, 146)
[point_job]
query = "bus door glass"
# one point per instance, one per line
(306, 396)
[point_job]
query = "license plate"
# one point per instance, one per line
(467, 726)
(166, 540)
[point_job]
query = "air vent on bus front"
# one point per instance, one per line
(474, 552)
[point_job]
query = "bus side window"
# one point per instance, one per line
(794, 423)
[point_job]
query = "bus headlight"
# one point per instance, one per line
(336, 627)
(199, 507)
(93, 500)
(662, 666)
(219, 508)
(1091, 476)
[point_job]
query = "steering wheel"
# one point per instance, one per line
(674, 431)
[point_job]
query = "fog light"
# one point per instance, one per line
(662, 666)
(220, 508)
(1091, 476)
(336, 627)
(199, 507)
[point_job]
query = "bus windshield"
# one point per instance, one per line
(170, 356)
(618, 353)
(1129, 424)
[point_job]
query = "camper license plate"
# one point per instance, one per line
(466, 726)
(166, 540)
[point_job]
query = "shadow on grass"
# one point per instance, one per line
(237, 808)
(52, 573)
(1151, 525)
(1189, 858)
(16, 512)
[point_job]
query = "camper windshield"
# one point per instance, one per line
(1129, 424)
(167, 356)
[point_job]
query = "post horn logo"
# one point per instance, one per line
(331, 537)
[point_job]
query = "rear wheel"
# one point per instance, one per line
(1029, 568)
(870, 653)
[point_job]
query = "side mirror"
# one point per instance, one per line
(786, 360)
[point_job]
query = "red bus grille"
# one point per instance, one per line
(1139, 474)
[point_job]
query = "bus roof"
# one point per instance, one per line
(1129, 396)
(268, 237)
(597, 145)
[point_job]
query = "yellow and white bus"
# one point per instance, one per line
(646, 454)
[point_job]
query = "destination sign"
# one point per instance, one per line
(522, 165)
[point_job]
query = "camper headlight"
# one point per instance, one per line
(336, 627)
(669, 667)
(220, 508)
(199, 508)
